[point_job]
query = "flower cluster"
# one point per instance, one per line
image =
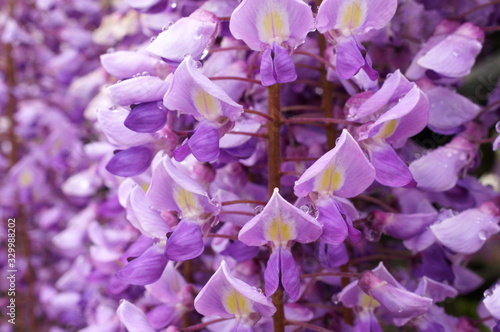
(258, 165)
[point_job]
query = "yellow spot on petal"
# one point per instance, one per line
(272, 23)
(331, 180)
(208, 106)
(237, 304)
(279, 232)
(26, 178)
(186, 201)
(367, 301)
(352, 15)
(388, 129)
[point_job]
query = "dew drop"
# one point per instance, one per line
(145, 73)
(173, 4)
(205, 53)
(483, 235)
(371, 235)
(110, 50)
(400, 310)
(215, 222)
(335, 299)
(454, 53)
(164, 28)
(488, 293)
(258, 209)
(152, 39)
(310, 209)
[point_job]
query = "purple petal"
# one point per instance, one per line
(204, 143)
(125, 64)
(267, 71)
(162, 316)
(260, 22)
(349, 58)
(280, 222)
(456, 54)
(435, 290)
(224, 296)
(111, 123)
(130, 162)
(356, 17)
(193, 93)
(449, 110)
(439, 169)
(492, 301)
(186, 242)
(332, 255)
(290, 276)
(145, 269)
(148, 221)
(133, 318)
(466, 232)
(399, 302)
(272, 272)
(394, 87)
(335, 229)
(146, 118)
(188, 36)
(402, 226)
(390, 169)
(283, 65)
(138, 90)
(343, 171)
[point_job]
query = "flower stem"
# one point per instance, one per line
(244, 201)
(202, 325)
(331, 274)
(326, 98)
(470, 11)
(235, 78)
(274, 169)
(328, 121)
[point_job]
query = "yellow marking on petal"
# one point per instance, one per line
(352, 16)
(208, 106)
(280, 232)
(237, 304)
(26, 178)
(330, 181)
(388, 128)
(367, 301)
(186, 201)
(272, 23)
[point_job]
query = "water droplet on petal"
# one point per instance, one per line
(488, 293)
(145, 73)
(400, 310)
(110, 50)
(483, 235)
(335, 299)
(258, 209)
(152, 39)
(165, 28)
(371, 235)
(310, 209)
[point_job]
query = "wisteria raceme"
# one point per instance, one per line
(250, 165)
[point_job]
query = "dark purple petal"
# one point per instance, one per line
(204, 143)
(186, 242)
(161, 316)
(130, 162)
(146, 118)
(290, 276)
(283, 64)
(390, 170)
(272, 273)
(145, 269)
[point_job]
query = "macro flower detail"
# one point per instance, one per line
(193, 93)
(225, 296)
(346, 22)
(281, 224)
(276, 27)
